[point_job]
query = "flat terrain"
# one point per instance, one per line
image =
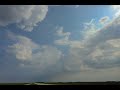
(64, 83)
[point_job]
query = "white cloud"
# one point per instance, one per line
(108, 32)
(74, 61)
(104, 19)
(89, 30)
(76, 44)
(76, 6)
(65, 36)
(117, 13)
(104, 55)
(61, 33)
(44, 60)
(32, 55)
(117, 9)
(64, 40)
(45, 57)
(25, 16)
(99, 49)
(114, 42)
(22, 52)
(23, 47)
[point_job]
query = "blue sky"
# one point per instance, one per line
(59, 43)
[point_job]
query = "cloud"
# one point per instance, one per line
(89, 30)
(104, 55)
(22, 48)
(76, 6)
(61, 33)
(31, 55)
(99, 51)
(100, 48)
(64, 36)
(116, 8)
(108, 32)
(114, 43)
(74, 60)
(46, 57)
(103, 20)
(111, 74)
(64, 40)
(76, 44)
(25, 16)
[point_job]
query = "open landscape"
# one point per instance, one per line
(66, 83)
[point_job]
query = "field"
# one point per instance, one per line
(65, 83)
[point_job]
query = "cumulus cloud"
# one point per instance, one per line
(103, 20)
(45, 57)
(89, 30)
(61, 33)
(25, 16)
(32, 55)
(104, 56)
(65, 36)
(23, 46)
(100, 48)
(116, 8)
(117, 13)
(108, 32)
(64, 40)
(74, 61)
(71, 43)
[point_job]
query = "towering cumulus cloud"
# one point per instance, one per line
(101, 49)
(60, 55)
(25, 16)
(32, 55)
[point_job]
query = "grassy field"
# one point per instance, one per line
(64, 83)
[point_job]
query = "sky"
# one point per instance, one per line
(59, 43)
